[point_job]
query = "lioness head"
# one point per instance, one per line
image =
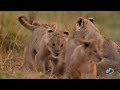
(94, 49)
(55, 41)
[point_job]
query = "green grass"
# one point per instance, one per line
(13, 36)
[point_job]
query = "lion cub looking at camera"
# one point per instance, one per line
(45, 44)
(83, 60)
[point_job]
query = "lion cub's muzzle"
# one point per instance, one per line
(56, 54)
(101, 59)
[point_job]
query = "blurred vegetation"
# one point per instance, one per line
(14, 36)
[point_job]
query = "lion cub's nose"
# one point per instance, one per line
(100, 58)
(56, 54)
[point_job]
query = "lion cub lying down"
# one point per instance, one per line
(84, 59)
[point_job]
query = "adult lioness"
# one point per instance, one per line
(45, 43)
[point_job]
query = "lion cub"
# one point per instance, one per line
(45, 44)
(83, 60)
(84, 30)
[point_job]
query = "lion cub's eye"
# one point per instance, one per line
(53, 44)
(94, 51)
(61, 45)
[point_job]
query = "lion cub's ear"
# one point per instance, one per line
(86, 44)
(54, 27)
(91, 19)
(89, 43)
(65, 35)
(80, 21)
(50, 31)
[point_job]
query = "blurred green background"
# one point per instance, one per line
(14, 36)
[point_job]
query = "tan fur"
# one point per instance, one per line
(23, 19)
(45, 44)
(111, 52)
(83, 61)
(86, 31)
(111, 56)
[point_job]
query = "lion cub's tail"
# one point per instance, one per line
(24, 20)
